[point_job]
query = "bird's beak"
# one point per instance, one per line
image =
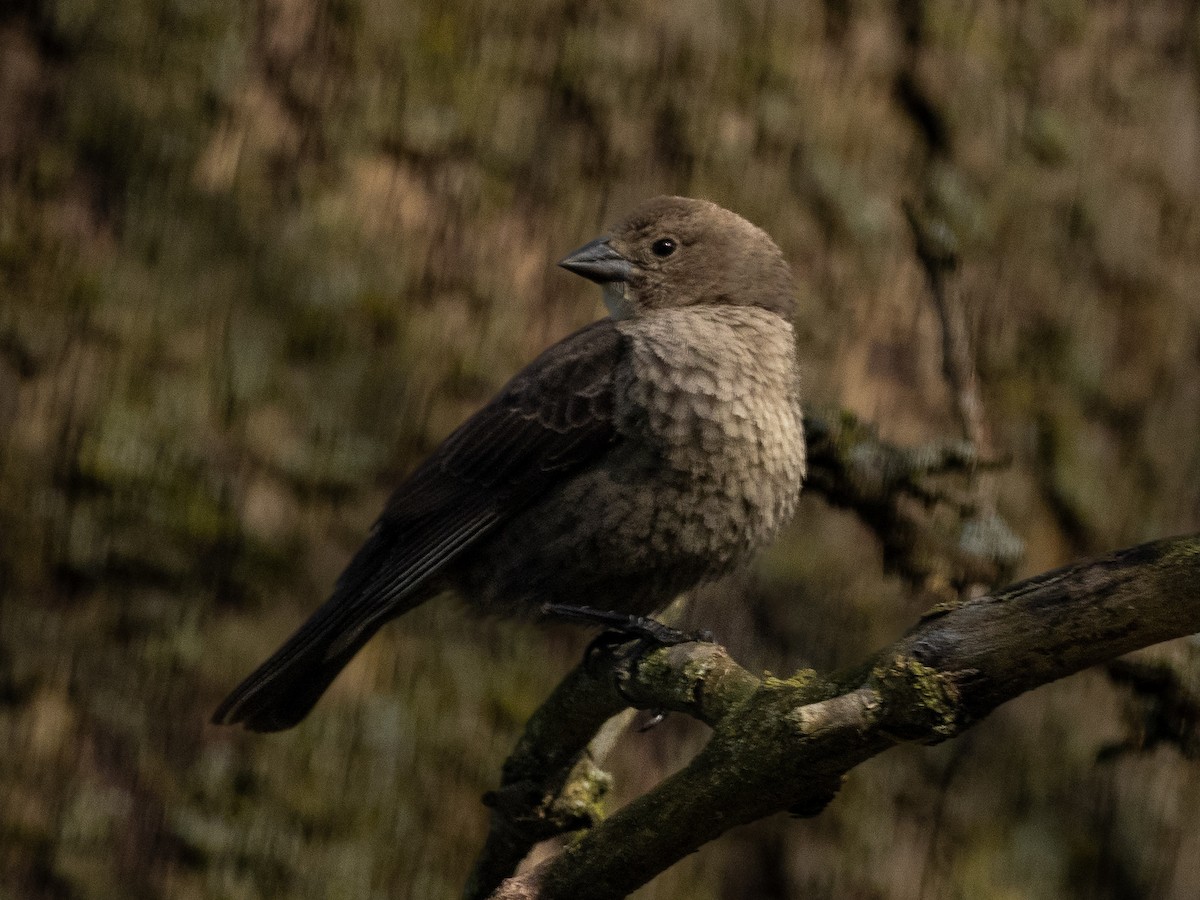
(597, 261)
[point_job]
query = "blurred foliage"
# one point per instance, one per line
(255, 259)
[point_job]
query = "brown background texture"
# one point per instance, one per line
(257, 258)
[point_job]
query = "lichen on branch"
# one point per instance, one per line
(786, 744)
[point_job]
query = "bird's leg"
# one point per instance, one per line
(623, 627)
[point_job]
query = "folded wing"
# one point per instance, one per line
(554, 418)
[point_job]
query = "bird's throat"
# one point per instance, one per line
(617, 300)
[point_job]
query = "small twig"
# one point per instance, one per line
(891, 489)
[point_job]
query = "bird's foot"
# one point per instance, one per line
(622, 628)
(628, 638)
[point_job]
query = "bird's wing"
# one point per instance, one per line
(551, 419)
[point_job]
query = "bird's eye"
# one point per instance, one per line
(664, 247)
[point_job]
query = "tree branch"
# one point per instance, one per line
(549, 762)
(786, 744)
(892, 489)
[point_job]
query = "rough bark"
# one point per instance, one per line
(787, 744)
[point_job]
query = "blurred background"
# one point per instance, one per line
(257, 258)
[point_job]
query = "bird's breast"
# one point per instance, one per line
(712, 392)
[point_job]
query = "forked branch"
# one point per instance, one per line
(786, 744)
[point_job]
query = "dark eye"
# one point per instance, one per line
(664, 247)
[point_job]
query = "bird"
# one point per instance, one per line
(647, 453)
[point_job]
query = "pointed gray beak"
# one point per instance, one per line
(597, 261)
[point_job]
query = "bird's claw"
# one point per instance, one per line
(657, 716)
(640, 634)
(623, 627)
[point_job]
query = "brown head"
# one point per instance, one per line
(675, 251)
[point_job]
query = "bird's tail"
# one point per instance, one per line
(282, 691)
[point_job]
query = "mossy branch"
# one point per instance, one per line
(549, 785)
(786, 744)
(892, 489)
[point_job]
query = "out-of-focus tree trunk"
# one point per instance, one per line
(256, 259)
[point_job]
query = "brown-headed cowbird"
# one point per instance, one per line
(647, 453)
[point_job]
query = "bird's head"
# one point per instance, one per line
(675, 252)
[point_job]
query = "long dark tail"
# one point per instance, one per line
(394, 571)
(284, 689)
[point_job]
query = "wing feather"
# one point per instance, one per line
(553, 418)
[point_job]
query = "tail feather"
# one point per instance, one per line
(394, 571)
(283, 690)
